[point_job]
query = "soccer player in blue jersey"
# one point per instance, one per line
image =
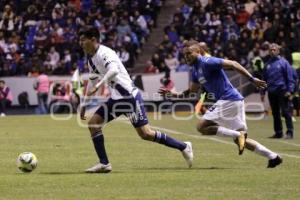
(227, 116)
(105, 67)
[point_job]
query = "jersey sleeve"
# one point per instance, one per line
(110, 60)
(213, 63)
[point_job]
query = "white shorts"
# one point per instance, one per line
(229, 114)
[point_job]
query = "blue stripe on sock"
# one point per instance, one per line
(163, 138)
(157, 136)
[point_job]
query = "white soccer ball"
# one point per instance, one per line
(27, 162)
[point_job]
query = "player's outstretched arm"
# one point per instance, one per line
(230, 64)
(194, 87)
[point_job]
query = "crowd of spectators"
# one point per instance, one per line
(37, 34)
(235, 29)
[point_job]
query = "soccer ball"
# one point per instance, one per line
(27, 162)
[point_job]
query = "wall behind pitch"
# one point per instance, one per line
(150, 83)
(18, 85)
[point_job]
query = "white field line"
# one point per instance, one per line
(207, 137)
(289, 143)
(289, 155)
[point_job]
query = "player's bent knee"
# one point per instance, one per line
(200, 128)
(94, 126)
(204, 131)
(206, 127)
(145, 133)
(146, 136)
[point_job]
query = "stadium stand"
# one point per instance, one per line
(35, 34)
(238, 30)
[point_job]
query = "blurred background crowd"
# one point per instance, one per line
(43, 34)
(40, 38)
(37, 34)
(240, 30)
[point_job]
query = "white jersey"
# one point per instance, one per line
(104, 59)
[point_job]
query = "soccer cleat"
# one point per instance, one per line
(99, 168)
(241, 141)
(188, 154)
(274, 162)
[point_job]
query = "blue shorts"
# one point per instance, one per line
(132, 107)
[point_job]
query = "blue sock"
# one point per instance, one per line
(163, 138)
(98, 140)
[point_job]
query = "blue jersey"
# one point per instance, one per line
(209, 72)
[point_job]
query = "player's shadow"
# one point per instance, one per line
(182, 169)
(61, 173)
(144, 169)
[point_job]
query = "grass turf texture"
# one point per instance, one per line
(141, 169)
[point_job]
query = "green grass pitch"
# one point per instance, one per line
(142, 170)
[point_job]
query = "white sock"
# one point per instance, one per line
(222, 131)
(263, 151)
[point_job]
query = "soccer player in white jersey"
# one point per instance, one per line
(227, 116)
(126, 99)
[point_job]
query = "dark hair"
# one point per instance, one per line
(90, 32)
(2, 81)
